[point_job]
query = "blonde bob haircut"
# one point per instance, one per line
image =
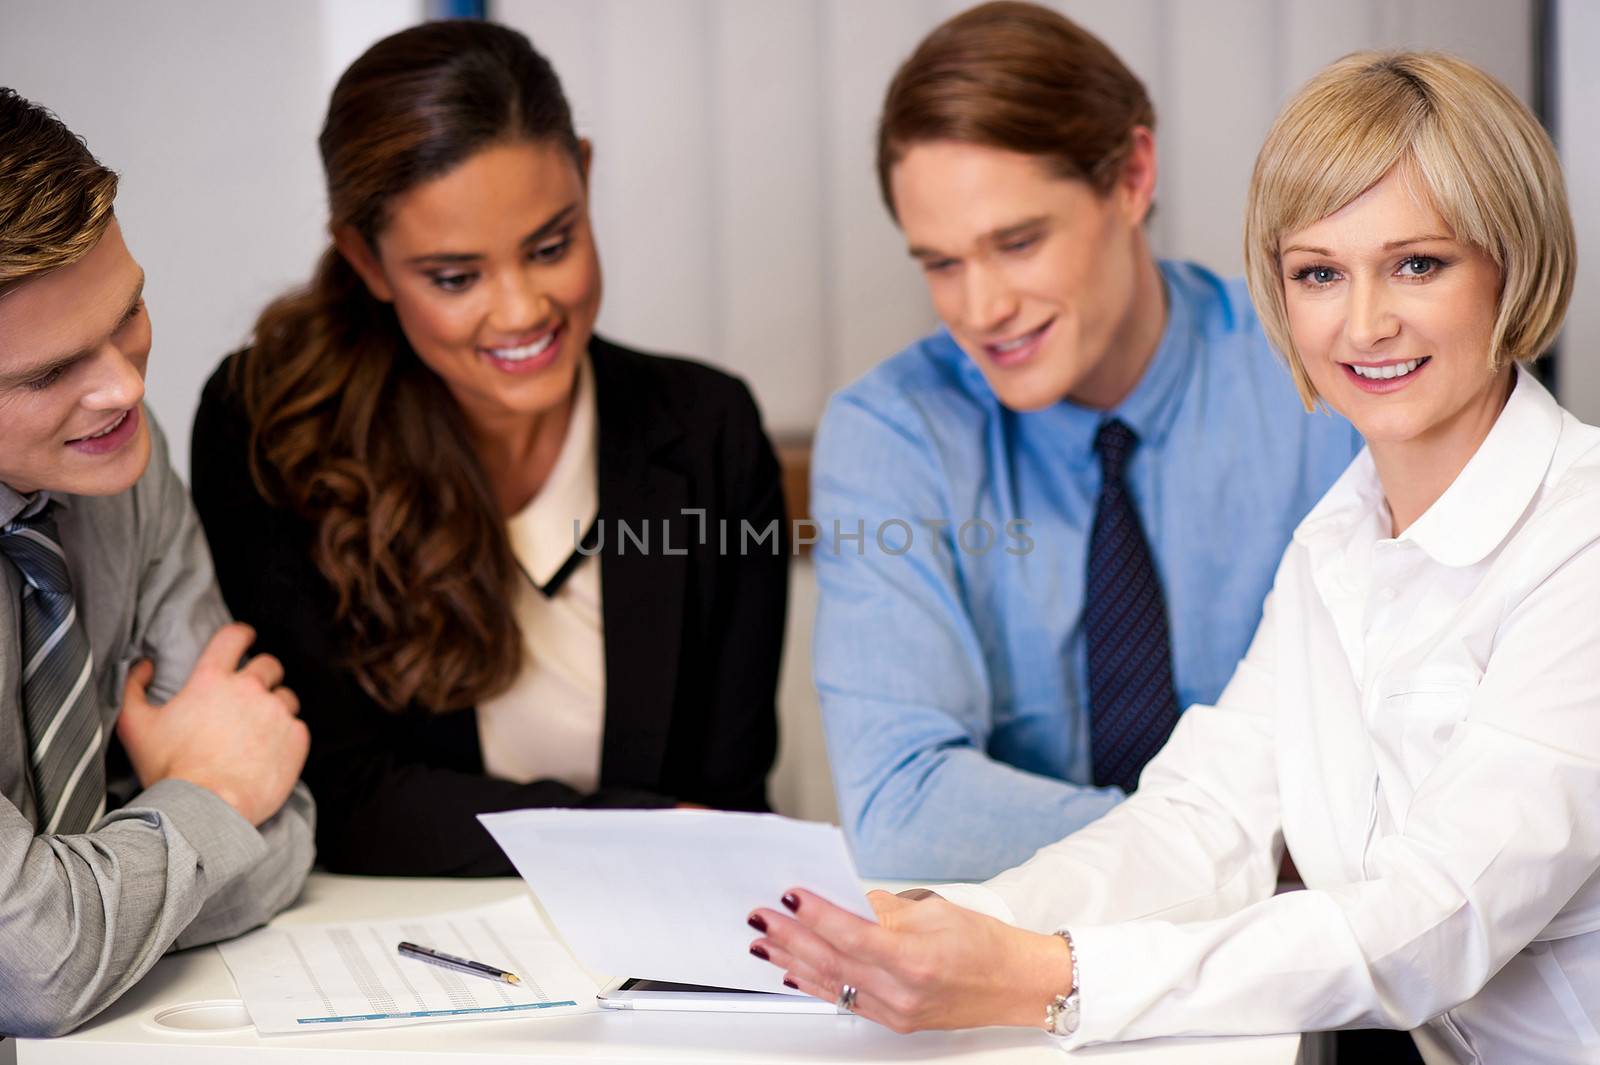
(1462, 140)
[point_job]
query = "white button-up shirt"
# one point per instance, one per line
(1418, 718)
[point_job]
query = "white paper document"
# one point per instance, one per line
(307, 978)
(664, 894)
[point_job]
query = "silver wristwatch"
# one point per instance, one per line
(1061, 1015)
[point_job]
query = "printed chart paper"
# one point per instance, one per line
(663, 894)
(307, 978)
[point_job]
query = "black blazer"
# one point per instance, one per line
(692, 640)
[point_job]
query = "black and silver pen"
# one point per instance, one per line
(463, 965)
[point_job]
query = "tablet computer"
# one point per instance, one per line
(635, 994)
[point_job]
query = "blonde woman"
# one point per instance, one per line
(1418, 717)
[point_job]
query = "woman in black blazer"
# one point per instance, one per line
(356, 468)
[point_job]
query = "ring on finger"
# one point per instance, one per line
(847, 998)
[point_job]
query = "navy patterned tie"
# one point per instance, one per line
(59, 708)
(1132, 702)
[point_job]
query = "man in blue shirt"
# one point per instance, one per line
(1048, 527)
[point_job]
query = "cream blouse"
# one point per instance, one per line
(548, 724)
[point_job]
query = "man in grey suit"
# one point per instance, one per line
(193, 827)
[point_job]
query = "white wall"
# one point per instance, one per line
(1578, 137)
(210, 113)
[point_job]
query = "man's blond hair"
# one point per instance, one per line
(1462, 139)
(55, 197)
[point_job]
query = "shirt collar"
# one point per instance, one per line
(1487, 498)
(545, 533)
(1481, 506)
(1150, 409)
(14, 504)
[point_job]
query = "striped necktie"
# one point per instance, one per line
(59, 708)
(1132, 702)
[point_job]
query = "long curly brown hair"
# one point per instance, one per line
(349, 428)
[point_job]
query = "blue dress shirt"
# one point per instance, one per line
(949, 646)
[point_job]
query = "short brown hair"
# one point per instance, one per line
(1021, 78)
(55, 197)
(1463, 140)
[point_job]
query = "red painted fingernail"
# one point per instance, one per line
(757, 922)
(759, 951)
(792, 901)
(790, 983)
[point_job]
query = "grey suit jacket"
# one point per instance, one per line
(82, 917)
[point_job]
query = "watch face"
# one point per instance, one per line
(1062, 1015)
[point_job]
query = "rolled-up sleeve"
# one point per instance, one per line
(906, 695)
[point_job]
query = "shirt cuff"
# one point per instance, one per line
(1106, 957)
(976, 897)
(228, 845)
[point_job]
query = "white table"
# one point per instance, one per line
(132, 1031)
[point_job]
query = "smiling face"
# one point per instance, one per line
(494, 278)
(73, 348)
(1392, 318)
(1036, 276)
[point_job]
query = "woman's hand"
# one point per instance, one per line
(928, 963)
